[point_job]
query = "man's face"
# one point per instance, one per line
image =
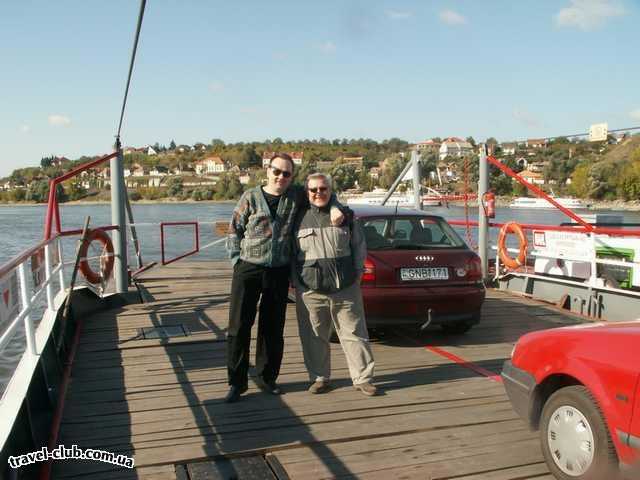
(279, 175)
(318, 191)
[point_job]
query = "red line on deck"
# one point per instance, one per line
(462, 362)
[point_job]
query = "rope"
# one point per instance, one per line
(133, 58)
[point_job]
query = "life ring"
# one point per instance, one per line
(106, 266)
(512, 263)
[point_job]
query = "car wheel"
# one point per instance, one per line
(575, 440)
(457, 328)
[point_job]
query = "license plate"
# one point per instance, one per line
(437, 273)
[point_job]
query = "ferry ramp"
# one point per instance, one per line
(149, 380)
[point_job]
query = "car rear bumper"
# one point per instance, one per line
(520, 386)
(398, 306)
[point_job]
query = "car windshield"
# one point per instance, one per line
(409, 233)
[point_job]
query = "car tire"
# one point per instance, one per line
(584, 425)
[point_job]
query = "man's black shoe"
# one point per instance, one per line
(270, 387)
(234, 394)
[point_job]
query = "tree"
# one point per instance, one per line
(175, 186)
(344, 177)
(217, 143)
(46, 162)
(75, 191)
(38, 191)
(471, 141)
(248, 158)
(172, 145)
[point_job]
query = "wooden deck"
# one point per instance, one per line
(160, 400)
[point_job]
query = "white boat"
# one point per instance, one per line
(376, 196)
(536, 202)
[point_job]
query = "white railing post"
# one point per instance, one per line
(48, 279)
(594, 261)
(26, 305)
(61, 271)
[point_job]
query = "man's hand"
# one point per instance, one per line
(337, 217)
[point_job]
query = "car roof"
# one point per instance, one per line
(387, 211)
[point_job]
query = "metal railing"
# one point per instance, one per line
(23, 297)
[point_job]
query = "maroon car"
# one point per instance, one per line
(417, 270)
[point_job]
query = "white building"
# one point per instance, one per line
(210, 165)
(455, 147)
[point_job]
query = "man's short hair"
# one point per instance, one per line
(324, 176)
(283, 156)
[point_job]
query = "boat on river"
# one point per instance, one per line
(540, 203)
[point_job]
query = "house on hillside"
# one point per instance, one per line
(296, 156)
(508, 148)
(135, 170)
(536, 143)
(454, 147)
(159, 171)
(532, 177)
(210, 165)
(428, 146)
(374, 172)
(57, 161)
(357, 162)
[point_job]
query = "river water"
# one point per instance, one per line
(22, 227)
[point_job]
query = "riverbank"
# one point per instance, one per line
(631, 206)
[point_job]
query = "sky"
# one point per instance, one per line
(252, 70)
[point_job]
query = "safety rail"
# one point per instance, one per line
(594, 282)
(20, 303)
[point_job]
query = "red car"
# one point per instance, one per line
(580, 386)
(417, 270)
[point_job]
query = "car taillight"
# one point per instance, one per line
(474, 269)
(369, 274)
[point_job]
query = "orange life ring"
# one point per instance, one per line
(105, 267)
(512, 263)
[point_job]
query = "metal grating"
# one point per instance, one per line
(166, 331)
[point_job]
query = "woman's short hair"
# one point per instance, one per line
(326, 177)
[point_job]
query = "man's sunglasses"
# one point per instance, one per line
(318, 189)
(277, 172)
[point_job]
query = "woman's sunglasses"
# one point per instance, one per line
(318, 189)
(277, 172)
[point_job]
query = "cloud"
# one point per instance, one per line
(635, 114)
(25, 128)
(216, 87)
(59, 120)
(327, 47)
(526, 118)
(588, 14)
(398, 15)
(450, 17)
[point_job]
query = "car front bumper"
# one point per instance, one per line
(520, 385)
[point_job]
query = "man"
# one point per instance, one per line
(329, 262)
(259, 245)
